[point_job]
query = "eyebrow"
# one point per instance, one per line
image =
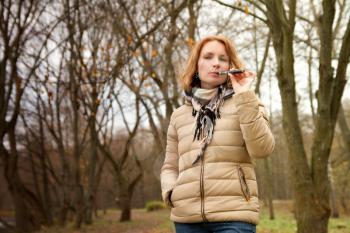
(211, 53)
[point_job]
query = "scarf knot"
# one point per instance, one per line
(206, 109)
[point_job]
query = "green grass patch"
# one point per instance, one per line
(283, 222)
(155, 205)
(339, 225)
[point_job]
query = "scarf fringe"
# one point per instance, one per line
(205, 119)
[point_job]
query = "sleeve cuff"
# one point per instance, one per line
(244, 97)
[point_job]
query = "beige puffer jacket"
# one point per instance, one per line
(223, 187)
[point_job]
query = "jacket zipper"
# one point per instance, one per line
(243, 183)
(202, 191)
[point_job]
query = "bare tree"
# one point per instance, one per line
(25, 29)
(123, 165)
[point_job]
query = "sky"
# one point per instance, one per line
(236, 24)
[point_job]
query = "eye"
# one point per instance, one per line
(223, 59)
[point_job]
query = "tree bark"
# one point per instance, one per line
(311, 209)
(90, 193)
(125, 202)
(125, 196)
(269, 189)
(46, 199)
(28, 211)
(345, 132)
(72, 12)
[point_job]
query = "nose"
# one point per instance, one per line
(216, 62)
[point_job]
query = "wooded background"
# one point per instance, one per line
(87, 89)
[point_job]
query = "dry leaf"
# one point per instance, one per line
(190, 42)
(154, 53)
(246, 10)
(129, 39)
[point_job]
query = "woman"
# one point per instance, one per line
(207, 177)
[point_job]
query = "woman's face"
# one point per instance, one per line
(212, 58)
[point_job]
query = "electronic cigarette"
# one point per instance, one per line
(234, 71)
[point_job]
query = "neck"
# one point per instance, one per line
(208, 87)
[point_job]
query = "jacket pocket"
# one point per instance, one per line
(168, 199)
(243, 183)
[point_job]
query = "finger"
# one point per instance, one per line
(250, 74)
(240, 77)
(233, 79)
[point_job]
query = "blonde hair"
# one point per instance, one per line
(187, 80)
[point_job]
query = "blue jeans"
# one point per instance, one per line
(215, 227)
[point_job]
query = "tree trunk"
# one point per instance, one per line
(28, 212)
(311, 209)
(47, 205)
(125, 194)
(26, 221)
(334, 205)
(79, 207)
(269, 187)
(124, 200)
(344, 201)
(90, 193)
(66, 180)
(125, 206)
(62, 217)
(74, 88)
(345, 132)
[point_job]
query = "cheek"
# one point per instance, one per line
(201, 65)
(225, 65)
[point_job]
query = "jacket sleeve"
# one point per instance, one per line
(170, 171)
(254, 124)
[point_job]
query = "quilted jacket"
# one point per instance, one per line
(222, 186)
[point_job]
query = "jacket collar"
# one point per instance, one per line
(188, 95)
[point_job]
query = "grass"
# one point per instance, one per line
(158, 222)
(284, 221)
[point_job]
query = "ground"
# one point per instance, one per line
(158, 222)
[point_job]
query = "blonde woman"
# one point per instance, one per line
(207, 177)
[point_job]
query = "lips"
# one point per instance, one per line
(214, 73)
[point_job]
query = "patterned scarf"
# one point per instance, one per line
(206, 109)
